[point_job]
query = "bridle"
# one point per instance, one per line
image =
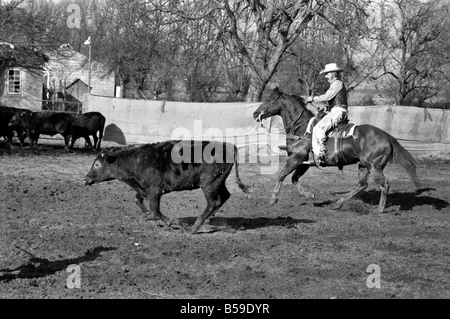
(293, 127)
(269, 129)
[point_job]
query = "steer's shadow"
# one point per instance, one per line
(40, 267)
(241, 223)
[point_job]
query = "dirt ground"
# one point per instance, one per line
(296, 249)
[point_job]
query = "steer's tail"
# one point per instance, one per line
(241, 185)
(405, 159)
(101, 130)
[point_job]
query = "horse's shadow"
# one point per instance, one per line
(40, 267)
(405, 201)
(241, 223)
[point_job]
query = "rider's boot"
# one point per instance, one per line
(321, 159)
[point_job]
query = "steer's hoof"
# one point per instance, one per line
(175, 225)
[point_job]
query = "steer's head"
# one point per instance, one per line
(18, 119)
(101, 170)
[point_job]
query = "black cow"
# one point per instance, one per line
(156, 169)
(6, 131)
(88, 124)
(48, 123)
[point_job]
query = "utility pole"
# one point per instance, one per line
(88, 42)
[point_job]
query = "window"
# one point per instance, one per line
(14, 82)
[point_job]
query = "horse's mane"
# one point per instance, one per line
(299, 99)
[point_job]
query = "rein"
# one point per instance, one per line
(293, 124)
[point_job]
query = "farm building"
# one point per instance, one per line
(60, 86)
(21, 88)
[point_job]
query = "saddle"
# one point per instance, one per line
(343, 130)
(335, 142)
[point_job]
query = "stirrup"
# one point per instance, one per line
(311, 161)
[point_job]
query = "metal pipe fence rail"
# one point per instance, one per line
(61, 106)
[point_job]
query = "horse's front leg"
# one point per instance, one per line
(292, 163)
(295, 177)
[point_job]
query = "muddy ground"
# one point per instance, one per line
(296, 249)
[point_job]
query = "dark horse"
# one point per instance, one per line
(369, 147)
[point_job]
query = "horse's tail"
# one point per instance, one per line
(405, 159)
(241, 185)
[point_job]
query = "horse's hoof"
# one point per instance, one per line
(194, 230)
(310, 195)
(152, 216)
(205, 229)
(338, 204)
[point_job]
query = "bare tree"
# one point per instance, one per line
(134, 40)
(258, 32)
(261, 32)
(413, 35)
(28, 31)
(341, 33)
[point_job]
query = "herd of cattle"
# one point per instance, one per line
(152, 170)
(32, 124)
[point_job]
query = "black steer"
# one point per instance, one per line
(156, 169)
(6, 114)
(48, 123)
(88, 124)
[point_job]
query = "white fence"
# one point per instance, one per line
(424, 132)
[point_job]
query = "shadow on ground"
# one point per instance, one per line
(406, 201)
(40, 267)
(240, 223)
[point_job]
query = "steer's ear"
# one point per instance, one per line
(107, 157)
(104, 155)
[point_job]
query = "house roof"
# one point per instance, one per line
(76, 82)
(67, 66)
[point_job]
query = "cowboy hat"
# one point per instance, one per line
(331, 67)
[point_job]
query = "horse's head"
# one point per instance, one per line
(270, 107)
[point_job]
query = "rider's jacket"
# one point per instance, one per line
(336, 95)
(340, 99)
